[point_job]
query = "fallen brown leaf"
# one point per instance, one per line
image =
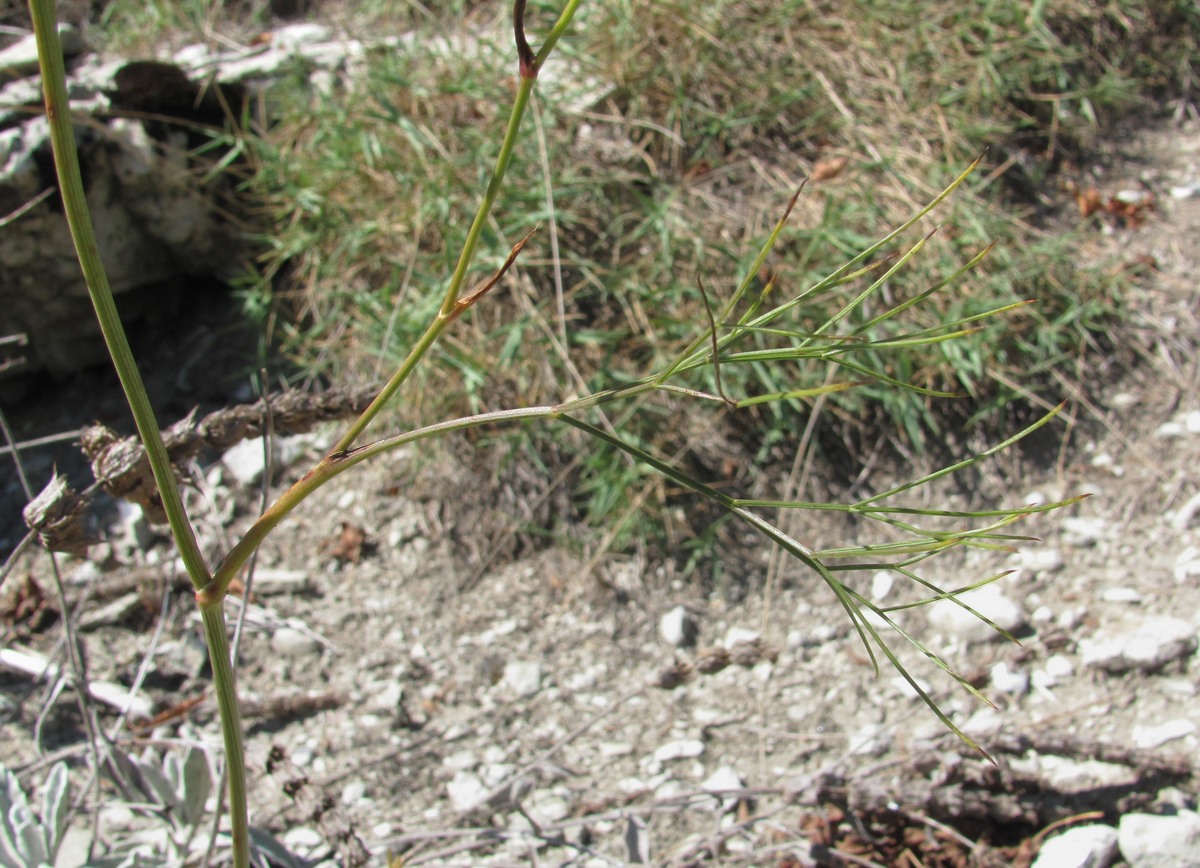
(828, 168)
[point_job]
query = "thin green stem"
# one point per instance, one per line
(70, 182)
(447, 312)
(415, 355)
(332, 465)
(66, 159)
(524, 90)
(556, 32)
(225, 684)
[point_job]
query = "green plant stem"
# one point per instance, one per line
(332, 465)
(448, 311)
(66, 160)
(446, 314)
(225, 685)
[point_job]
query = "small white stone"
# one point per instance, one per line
(245, 461)
(269, 580)
(723, 780)
(687, 748)
(1187, 565)
(881, 584)
(134, 525)
(734, 635)
(522, 677)
(494, 773)
(301, 757)
(1192, 422)
(1083, 532)
(901, 686)
(956, 621)
(1042, 615)
(1123, 401)
(630, 786)
(1186, 191)
(302, 838)
(1059, 666)
(548, 806)
(1071, 618)
(1177, 686)
(610, 749)
(1007, 680)
(466, 791)
(1121, 595)
(1184, 515)
(1036, 498)
(289, 642)
(353, 793)
(495, 753)
(1079, 847)
(677, 628)
(1078, 776)
(819, 634)
(1042, 681)
(294, 35)
(1153, 736)
(870, 740)
(1148, 646)
(461, 760)
(89, 571)
(668, 789)
(1046, 560)
(386, 697)
(984, 722)
(1153, 841)
(1134, 197)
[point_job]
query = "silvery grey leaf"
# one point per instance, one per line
(54, 807)
(10, 853)
(129, 860)
(31, 841)
(127, 775)
(268, 846)
(637, 841)
(173, 770)
(13, 796)
(197, 784)
(155, 784)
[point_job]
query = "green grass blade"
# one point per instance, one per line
(974, 459)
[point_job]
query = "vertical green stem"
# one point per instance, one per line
(66, 161)
(225, 685)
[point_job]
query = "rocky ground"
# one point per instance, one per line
(403, 699)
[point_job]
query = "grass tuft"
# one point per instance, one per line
(678, 132)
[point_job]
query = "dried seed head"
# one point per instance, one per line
(679, 673)
(712, 660)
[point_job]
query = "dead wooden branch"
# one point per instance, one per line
(122, 470)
